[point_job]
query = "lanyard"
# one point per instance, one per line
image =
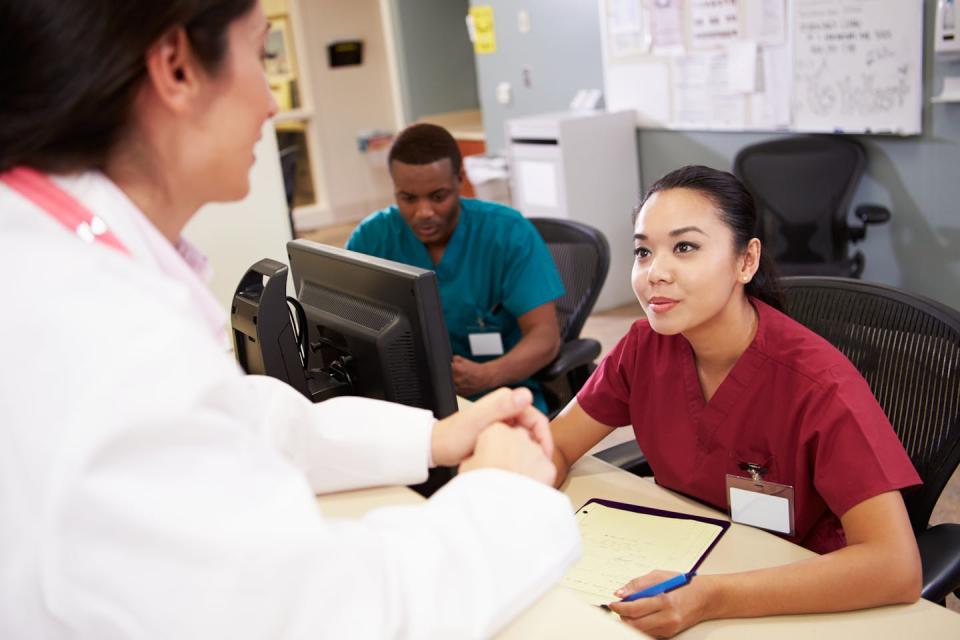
(61, 206)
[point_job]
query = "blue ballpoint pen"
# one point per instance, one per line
(663, 587)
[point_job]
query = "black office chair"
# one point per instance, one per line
(582, 256)
(803, 187)
(908, 349)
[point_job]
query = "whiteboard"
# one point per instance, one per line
(850, 66)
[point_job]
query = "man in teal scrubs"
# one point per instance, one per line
(497, 279)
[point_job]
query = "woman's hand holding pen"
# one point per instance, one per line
(667, 614)
(455, 438)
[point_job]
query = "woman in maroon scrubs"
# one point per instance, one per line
(717, 378)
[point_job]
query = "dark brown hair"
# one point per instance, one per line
(737, 210)
(71, 69)
(425, 144)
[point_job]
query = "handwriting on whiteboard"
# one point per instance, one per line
(854, 63)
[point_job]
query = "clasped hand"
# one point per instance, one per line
(501, 430)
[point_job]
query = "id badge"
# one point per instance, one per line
(758, 503)
(486, 344)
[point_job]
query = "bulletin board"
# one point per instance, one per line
(834, 66)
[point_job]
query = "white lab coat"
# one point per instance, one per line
(148, 489)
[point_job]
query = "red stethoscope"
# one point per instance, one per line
(61, 206)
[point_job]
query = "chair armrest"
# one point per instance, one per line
(573, 354)
(940, 556)
(872, 214)
(628, 457)
(868, 214)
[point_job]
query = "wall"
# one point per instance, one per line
(918, 178)
(562, 50)
(237, 234)
(347, 100)
(434, 70)
(434, 57)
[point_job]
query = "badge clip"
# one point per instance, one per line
(756, 471)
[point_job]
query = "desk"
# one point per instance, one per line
(743, 548)
(466, 125)
(559, 615)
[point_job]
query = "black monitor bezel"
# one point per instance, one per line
(411, 291)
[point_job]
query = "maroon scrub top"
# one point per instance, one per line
(792, 403)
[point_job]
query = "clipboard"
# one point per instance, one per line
(622, 541)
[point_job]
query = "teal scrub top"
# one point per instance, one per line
(496, 267)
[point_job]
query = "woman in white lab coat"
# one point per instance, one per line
(147, 487)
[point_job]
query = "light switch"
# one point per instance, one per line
(523, 21)
(504, 93)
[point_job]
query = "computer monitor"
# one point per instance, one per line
(373, 325)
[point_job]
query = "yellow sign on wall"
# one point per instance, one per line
(484, 34)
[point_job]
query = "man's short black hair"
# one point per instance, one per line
(425, 144)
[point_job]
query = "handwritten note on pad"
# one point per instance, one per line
(622, 541)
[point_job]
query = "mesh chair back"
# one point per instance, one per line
(803, 187)
(582, 256)
(908, 349)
